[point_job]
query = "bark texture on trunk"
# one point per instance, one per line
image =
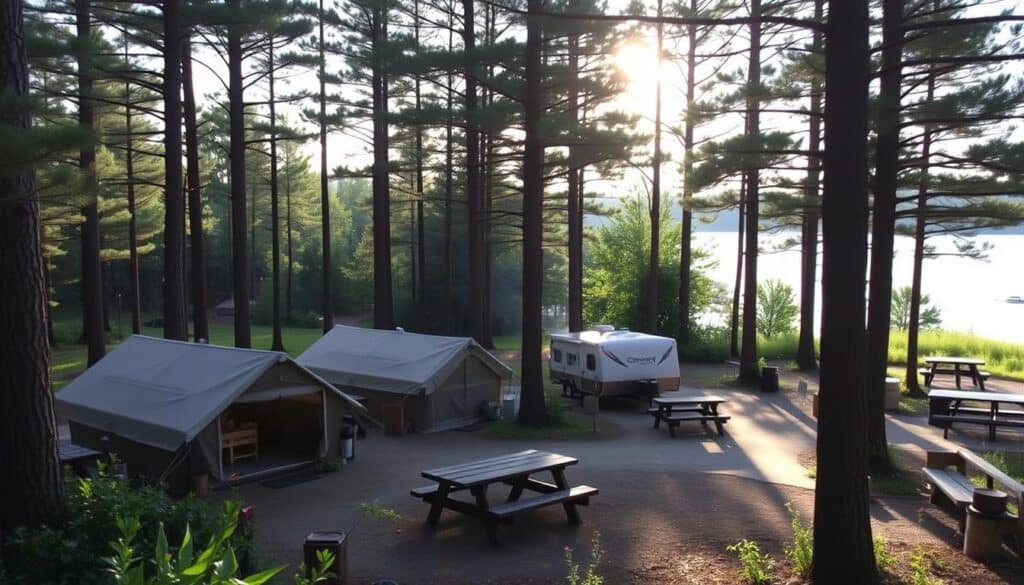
(134, 297)
(686, 225)
(532, 411)
(655, 211)
(474, 206)
(883, 230)
(748, 348)
(574, 306)
(843, 551)
(92, 277)
(239, 232)
(327, 301)
(734, 316)
(175, 316)
(200, 319)
(805, 355)
(448, 258)
(383, 316)
(277, 342)
(30, 472)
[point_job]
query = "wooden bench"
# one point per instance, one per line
(244, 437)
(675, 417)
(578, 495)
(949, 474)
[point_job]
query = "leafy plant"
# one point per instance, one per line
(380, 512)
(776, 308)
(920, 569)
(214, 565)
(801, 552)
(74, 553)
(320, 574)
(928, 317)
(591, 576)
(755, 566)
(884, 558)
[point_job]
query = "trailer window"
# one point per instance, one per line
(556, 354)
(571, 359)
(591, 362)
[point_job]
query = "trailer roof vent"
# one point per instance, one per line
(604, 328)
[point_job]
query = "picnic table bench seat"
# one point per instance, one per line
(579, 495)
(949, 473)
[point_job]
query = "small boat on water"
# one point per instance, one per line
(1015, 300)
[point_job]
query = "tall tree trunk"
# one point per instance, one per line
(30, 471)
(655, 211)
(277, 342)
(383, 317)
(843, 551)
(748, 347)
(421, 238)
(883, 230)
(734, 316)
(175, 316)
(92, 280)
(474, 218)
(574, 227)
(686, 235)
(129, 165)
(195, 199)
(239, 233)
(487, 195)
(327, 309)
(920, 234)
(288, 229)
(449, 184)
(532, 410)
(805, 357)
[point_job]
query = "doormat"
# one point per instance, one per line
(290, 480)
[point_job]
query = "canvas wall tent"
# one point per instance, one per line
(163, 406)
(442, 382)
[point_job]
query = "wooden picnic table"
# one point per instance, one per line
(674, 408)
(514, 469)
(957, 367)
(946, 407)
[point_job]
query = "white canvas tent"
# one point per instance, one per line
(442, 382)
(162, 405)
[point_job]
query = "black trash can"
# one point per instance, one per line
(350, 419)
(770, 379)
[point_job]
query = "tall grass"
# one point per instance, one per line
(1002, 359)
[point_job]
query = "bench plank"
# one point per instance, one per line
(580, 494)
(953, 484)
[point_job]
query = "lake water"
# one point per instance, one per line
(970, 293)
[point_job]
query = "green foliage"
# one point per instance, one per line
(591, 576)
(884, 558)
(375, 510)
(615, 275)
(920, 569)
(801, 551)
(1002, 359)
(74, 553)
(755, 566)
(319, 574)
(929, 317)
(776, 308)
(216, 564)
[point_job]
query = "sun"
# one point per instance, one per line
(637, 60)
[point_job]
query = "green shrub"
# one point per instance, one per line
(755, 566)
(920, 569)
(801, 552)
(74, 553)
(591, 576)
(884, 558)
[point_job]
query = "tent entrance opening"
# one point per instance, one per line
(270, 435)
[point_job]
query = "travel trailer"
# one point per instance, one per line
(610, 362)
